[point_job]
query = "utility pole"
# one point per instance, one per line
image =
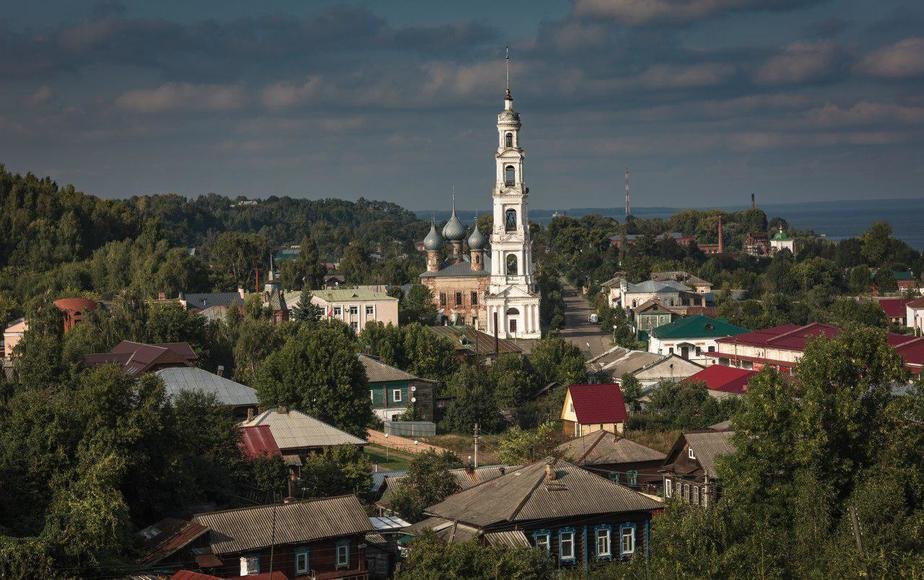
(272, 539)
(858, 537)
(476, 446)
(628, 206)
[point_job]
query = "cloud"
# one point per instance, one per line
(864, 113)
(904, 59)
(641, 12)
(685, 76)
(286, 94)
(42, 95)
(183, 97)
(800, 62)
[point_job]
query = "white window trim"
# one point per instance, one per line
(544, 541)
(561, 542)
(299, 569)
(601, 534)
(345, 549)
(396, 395)
(690, 453)
(627, 532)
(250, 565)
(668, 487)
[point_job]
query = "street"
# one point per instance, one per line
(584, 334)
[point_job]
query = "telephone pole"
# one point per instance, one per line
(628, 206)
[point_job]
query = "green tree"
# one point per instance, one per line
(522, 446)
(429, 558)
(427, 482)
(631, 391)
(337, 471)
(305, 311)
(417, 306)
(557, 360)
(355, 264)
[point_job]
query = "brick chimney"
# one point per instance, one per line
(550, 474)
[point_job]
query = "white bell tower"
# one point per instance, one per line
(513, 298)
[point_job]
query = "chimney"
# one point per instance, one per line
(721, 242)
(282, 410)
(549, 472)
(162, 295)
(241, 292)
(249, 414)
(220, 371)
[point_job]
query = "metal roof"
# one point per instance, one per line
(240, 530)
(511, 539)
(295, 430)
(460, 269)
(379, 372)
(709, 446)
(258, 442)
(653, 286)
(351, 294)
(605, 448)
(175, 541)
(388, 523)
(525, 494)
(696, 327)
(601, 403)
(228, 392)
(467, 338)
(201, 300)
(619, 361)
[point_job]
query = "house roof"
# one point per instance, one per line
(19, 325)
(696, 327)
(461, 269)
(707, 447)
(525, 494)
(362, 293)
(240, 530)
(296, 430)
(723, 378)
(912, 352)
(658, 287)
(258, 441)
(167, 537)
(916, 303)
(606, 448)
(680, 276)
(619, 361)
(598, 403)
(75, 304)
(203, 300)
(226, 391)
(475, 341)
(465, 478)
(894, 307)
(794, 337)
(137, 358)
(379, 372)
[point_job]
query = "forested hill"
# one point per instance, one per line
(58, 239)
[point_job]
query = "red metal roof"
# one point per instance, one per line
(916, 303)
(598, 403)
(137, 357)
(723, 378)
(72, 304)
(258, 441)
(913, 354)
(894, 307)
(190, 575)
(794, 337)
(176, 541)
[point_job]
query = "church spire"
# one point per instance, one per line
(507, 95)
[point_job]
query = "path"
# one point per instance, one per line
(582, 333)
(400, 443)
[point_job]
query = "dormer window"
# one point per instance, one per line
(690, 453)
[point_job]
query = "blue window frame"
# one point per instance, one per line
(302, 561)
(542, 539)
(566, 545)
(632, 477)
(626, 540)
(614, 476)
(603, 542)
(343, 554)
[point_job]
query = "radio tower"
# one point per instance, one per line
(628, 207)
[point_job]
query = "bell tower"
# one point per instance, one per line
(512, 299)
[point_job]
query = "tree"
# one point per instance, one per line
(417, 306)
(473, 401)
(557, 360)
(430, 557)
(521, 446)
(305, 310)
(337, 471)
(876, 241)
(317, 371)
(428, 355)
(631, 391)
(845, 311)
(514, 383)
(355, 263)
(427, 482)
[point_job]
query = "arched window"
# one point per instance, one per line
(511, 264)
(510, 175)
(508, 140)
(510, 220)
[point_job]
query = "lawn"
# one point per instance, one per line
(388, 459)
(463, 446)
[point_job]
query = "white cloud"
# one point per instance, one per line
(680, 76)
(799, 62)
(42, 95)
(183, 97)
(283, 95)
(648, 11)
(864, 113)
(903, 59)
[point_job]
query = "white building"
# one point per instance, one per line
(914, 316)
(782, 241)
(512, 300)
(354, 306)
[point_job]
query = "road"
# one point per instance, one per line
(584, 334)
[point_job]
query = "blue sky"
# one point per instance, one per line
(705, 101)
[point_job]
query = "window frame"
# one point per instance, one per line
(396, 396)
(458, 299)
(346, 545)
(632, 478)
(668, 488)
(572, 535)
(623, 528)
(508, 140)
(338, 311)
(690, 454)
(354, 310)
(306, 553)
(601, 531)
(510, 175)
(474, 298)
(370, 310)
(547, 535)
(256, 567)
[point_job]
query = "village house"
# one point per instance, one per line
(73, 311)
(895, 309)
(690, 469)
(137, 358)
(914, 316)
(669, 293)
(237, 397)
(575, 516)
(649, 368)
(590, 408)
(356, 307)
(393, 391)
(318, 538)
(699, 285)
(692, 338)
(616, 458)
(651, 315)
(722, 381)
(204, 301)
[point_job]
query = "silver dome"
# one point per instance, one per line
(454, 231)
(476, 241)
(433, 241)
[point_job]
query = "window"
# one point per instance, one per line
(301, 561)
(372, 395)
(396, 395)
(627, 539)
(685, 492)
(511, 264)
(510, 220)
(338, 311)
(509, 175)
(699, 351)
(670, 350)
(250, 565)
(354, 310)
(442, 299)
(690, 453)
(458, 299)
(354, 325)
(668, 488)
(711, 349)
(602, 540)
(474, 298)
(543, 540)
(343, 554)
(632, 477)
(513, 326)
(508, 140)
(566, 545)
(614, 476)
(370, 310)
(695, 500)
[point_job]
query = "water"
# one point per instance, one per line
(836, 220)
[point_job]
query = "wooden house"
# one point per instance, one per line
(690, 470)
(590, 408)
(616, 458)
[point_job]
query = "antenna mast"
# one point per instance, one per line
(507, 59)
(628, 206)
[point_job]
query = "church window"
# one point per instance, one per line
(511, 264)
(508, 140)
(510, 220)
(509, 175)
(458, 299)
(474, 298)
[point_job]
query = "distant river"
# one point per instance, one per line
(834, 219)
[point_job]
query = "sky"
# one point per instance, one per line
(705, 101)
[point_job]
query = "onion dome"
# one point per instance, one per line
(433, 241)
(454, 231)
(476, 241)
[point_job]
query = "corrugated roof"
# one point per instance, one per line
(241, 530)
(894, 307)
(295, 430)
(794, 337)
(379, 372)
(679, 276)
(658, 287)
(348, 294)
(257, 441)
(137, 357)
(525, 494)
(202, 300)
(723, 378)
(598, 403)
(177, 540)
(619, 361)
(467, 338)
(226, 391)
(511, 539)
(464, 478)
(606, 448)
(696, 327)
(709, 446)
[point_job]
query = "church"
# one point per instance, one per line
(497, 290)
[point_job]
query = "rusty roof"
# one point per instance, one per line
(467, 338)
(244, 529)
(137, 357)
(173, 542)
(257, 441)
(605, 448)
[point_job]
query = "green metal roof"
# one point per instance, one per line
(696, 327)
(781, 236)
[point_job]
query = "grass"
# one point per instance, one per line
(388, 459)
(660, 440)
(463, 446)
